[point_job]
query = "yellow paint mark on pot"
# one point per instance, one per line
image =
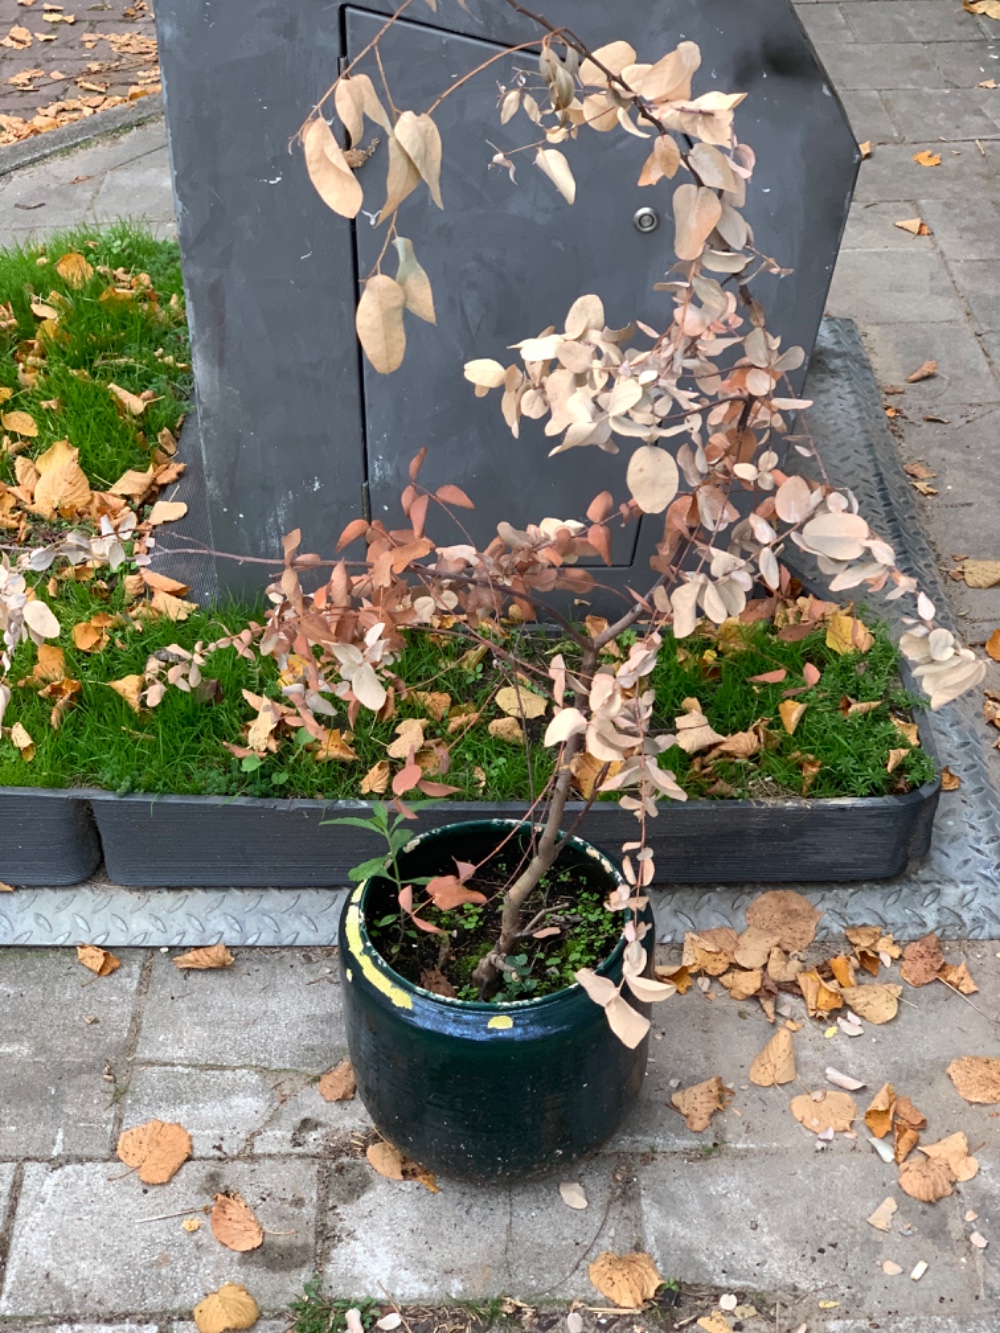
(396, 994)
(502, 1021)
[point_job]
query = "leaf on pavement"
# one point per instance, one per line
(235, 1225)
(205, 959)
(880, 1112)
(775, 1063)
(922, 961)
(976, 1078)
(573, 1194)
(787, 915)
(926, 158)
(876, 1003)
(824, 1110)
(231, 1307)
(881, 1218)
(157, 1149)
(928, 369)
(955, 1151)
(627, 1279)
(959, 977)
(390, 1162)
(338, 1084)
(98, 960)
(927, 1179)
(699, 1103)
(820, 997)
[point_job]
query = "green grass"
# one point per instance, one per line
(96, 343)
(312, 1312)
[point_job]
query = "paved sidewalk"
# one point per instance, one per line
(749, 1206)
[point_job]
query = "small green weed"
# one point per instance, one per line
(315, 1313)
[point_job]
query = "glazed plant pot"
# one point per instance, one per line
(473, 1090)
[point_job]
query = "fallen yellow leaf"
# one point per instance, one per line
(74, 269)
(927, 159)
(235, 1225)
(207, 958)
(627, 1279)
(231, 1307)
(338, 1084)
(166, 511)
(156, 1149)
(98, 960)
(19, 423)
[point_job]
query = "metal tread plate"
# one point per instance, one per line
(955, 890)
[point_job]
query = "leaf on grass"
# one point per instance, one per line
(74, 269)
(825, 1110)
(775, 1063)
(791, 714)
(627, 1279)
(926, 158)
(507, 729)
(161, 583)
(879, 1114)
(787, 915)
(157, 1149)
(435, 702)
(133, 484)
(515, 700)
(19, 423)
(881, 1218)
(21, 739)
(847, 634)
(699, 1103)
(231, 1307)
(334, 748)
(166, 511)
(976, 1078)
(205, 959)
(876, 1003)
(573, 1194)
(376, 780)
(91, 636)
(98, 960)
(235, 1225)
(922, 961)
(130, 688)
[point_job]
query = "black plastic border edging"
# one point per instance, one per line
(49, 838)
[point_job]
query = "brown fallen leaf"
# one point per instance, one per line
(753, 948)
(865, 149)
(992, 645)
(390, 1162)
(922, 961)
(787, 915)
(825, 1110)
(166, 511)
(879, 1115)
(775, 1063)
(205, 959)
(845, 633)
(627, 1279)
(781, 967)
(710, 951)
(376, 780)
(907, 1114)
(820, 998)
(916, 227)
(435, 702)
(904, 1141)
(157, 1149)
(6, 888)
(955, 1151)
(927, 1179)
(791, 714)
(740, 984)
(515, 700)
(881, 1218)
(235, 1225)
(699, 1103)
(976, 1078)
(74, 269)
(919, 470)
(130, 688)
(231, 1307)
(843, 971)
(950, 781)
(926, 158)
(957, 975)
(507, 729)
(161, 583)
(928, 369)
(875, 1003)
(714, 1322)
(98, 960)
(679, 976)
(981, 573)
(338, 1084)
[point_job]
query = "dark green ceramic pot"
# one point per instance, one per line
(481, 1091)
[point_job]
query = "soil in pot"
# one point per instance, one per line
(567, 926)
(475, 1089)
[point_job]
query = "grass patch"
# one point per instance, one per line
(139, 344)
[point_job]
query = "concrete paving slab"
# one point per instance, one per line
(469, 1244)
(231, 1112)
(868, 116)
(81, 1245)
(965, 64)
(878, 65)
(925, 113)
(964, 376)
(979, 282)
(141, 193)
(908, 21)
(891, 174)
(910, 284)
(778, 1220)
(58, 1102)
(873, 227)
(826, 23)
(965, 228)
(275, 1009)
(127, 1326)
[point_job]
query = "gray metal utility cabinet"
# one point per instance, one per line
(296, 431)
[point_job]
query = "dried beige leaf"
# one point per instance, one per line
(698, 1103)
(792, 713)
(235, 1225)
(877, 1003)
(507, 729)
(976, 1078)
(401, 180)
(420, 140)
(628, 1025)
(334, 181)
(928, 369)
(19, 423)
(515, 700)
(741, 984)
(775, 1063)
(926, 158)
(981, 573)
(978, 1240)
(376, 780)
(553, 164)
(820, 998)
(627, 1279)
(697, 209)
(652, 479)
(573, 1194)
(890, 1268)
(926, 1179)
(916, 227)
(157, 1149)
(338, 1084)
(379, 323)
(130, 688)
(231, 1307)
(787, 915)
(880, 1112)
(956, 975)
(413, 279)
(74, 269)
(389, 1162)
(922, 961)
(39, 618)
(825, 1110)
(166, 511)
(881, 1218)
(205, 959)
(132, 401)
(955, 1151)
(98, 960)
(191, 1224)
(712, 951)
(753, 949)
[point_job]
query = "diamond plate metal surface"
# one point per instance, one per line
(955, 890)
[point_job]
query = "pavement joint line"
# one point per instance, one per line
(247, 1151)
(7, 1221)
(131, 1045)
